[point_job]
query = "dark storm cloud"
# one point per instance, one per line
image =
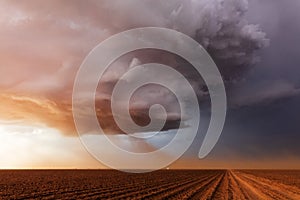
(263, 119)
(277, 75)
(43, 44)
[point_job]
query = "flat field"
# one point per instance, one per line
(164, 184)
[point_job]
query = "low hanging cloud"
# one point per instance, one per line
(42, 45)
(264, 94)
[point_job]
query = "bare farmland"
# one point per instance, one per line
(165, 184)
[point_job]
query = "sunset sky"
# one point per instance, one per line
(254, 44)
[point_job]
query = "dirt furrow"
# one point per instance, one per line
(205, 191)
(270, 189)
(221, 191)
(179, 187)
(197, 188)
(152, 191)
(239, 189)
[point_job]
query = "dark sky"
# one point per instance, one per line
(263, 119)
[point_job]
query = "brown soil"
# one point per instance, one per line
(164, 184)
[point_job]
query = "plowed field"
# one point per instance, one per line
(164, 184)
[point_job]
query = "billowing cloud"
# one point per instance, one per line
(42, 45)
